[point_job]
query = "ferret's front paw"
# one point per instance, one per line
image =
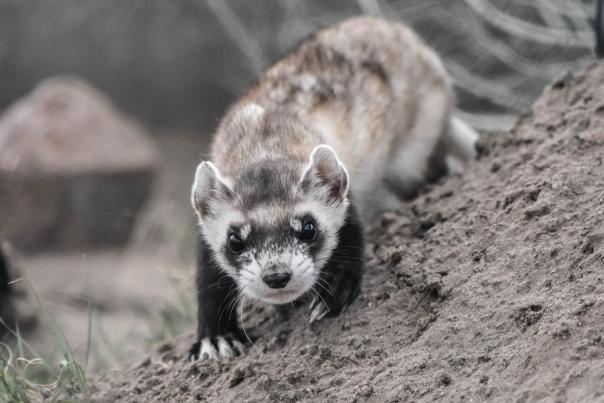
(318, 309)
(216, 348)
(333, 297)
(322, 307)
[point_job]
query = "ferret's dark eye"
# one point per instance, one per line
(235, 244)
(308, 232)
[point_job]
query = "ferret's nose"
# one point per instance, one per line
(276, 280)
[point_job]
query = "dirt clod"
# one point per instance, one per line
(444, 379)
(239, 374)
(528, 315)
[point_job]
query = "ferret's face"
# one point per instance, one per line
(274, 229)
(274, 254)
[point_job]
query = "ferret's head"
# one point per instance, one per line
(273, 228)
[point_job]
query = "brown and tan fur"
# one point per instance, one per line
(369, 88)
(357, 117)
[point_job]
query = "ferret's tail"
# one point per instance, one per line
(460, 142)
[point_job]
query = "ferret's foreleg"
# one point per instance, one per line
(339, 282)
(218, 334)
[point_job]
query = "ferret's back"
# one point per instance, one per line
(355, 85)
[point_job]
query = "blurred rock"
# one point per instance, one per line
(74, 172)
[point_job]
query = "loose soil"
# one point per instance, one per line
(489, 287)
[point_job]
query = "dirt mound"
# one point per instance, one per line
(488, 287)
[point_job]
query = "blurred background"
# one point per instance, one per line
(108, 105)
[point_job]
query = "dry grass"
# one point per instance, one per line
(25, 377)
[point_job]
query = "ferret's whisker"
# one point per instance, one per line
(241, 322)
(328, 290)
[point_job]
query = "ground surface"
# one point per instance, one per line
(489, 287)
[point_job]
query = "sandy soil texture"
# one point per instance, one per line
(489, 287)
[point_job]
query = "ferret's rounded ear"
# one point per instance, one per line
(207, 187)
(325, 174)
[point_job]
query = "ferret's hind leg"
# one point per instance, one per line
(460, 144)
(379, 200)
(420, 154)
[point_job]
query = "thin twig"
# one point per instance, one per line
(370, 7)
(551, 16)
(239, 33)
(527, 30)
(500, 93)
(475, 32)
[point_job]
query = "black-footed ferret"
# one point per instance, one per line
(357, 117)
